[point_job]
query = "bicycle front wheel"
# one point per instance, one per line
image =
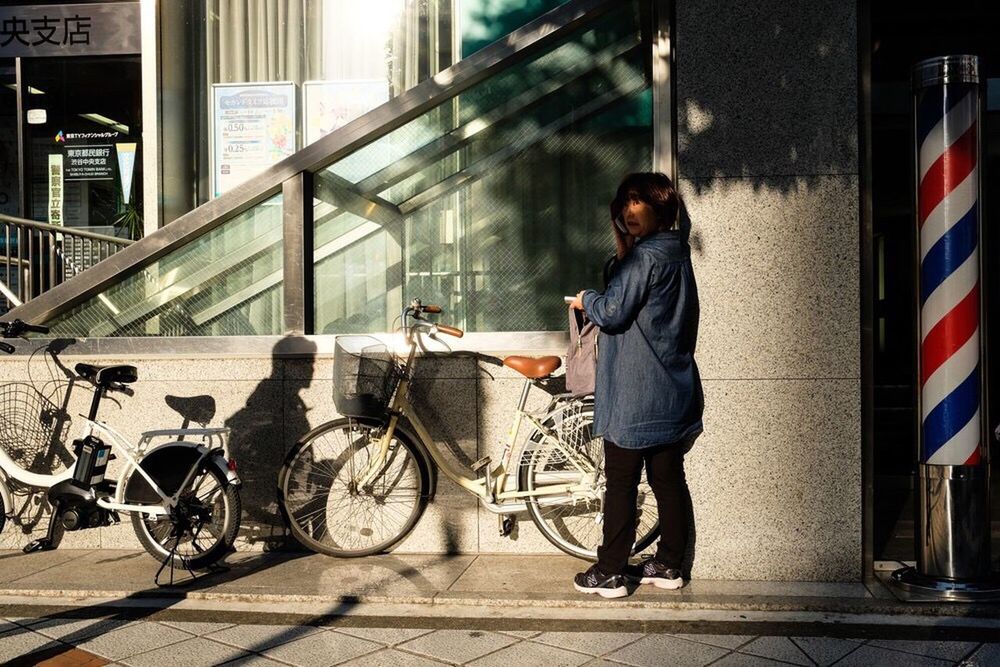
(574, 524)
(325, 502)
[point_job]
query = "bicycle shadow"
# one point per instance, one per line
(274, 415)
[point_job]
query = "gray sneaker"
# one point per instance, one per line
(652, 571)
(605, 585)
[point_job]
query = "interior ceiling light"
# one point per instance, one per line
(107, 122)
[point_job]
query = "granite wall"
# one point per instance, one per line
(768, 165)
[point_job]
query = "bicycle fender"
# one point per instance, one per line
(217, 458)
(8, 499)
(169, 465)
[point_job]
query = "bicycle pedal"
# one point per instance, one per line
(480, 464)
(506, 525)
(42, 544)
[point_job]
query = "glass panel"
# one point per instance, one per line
(10, 189)
(494, 203)
(485, 21)
(227, 282)
(83, 142)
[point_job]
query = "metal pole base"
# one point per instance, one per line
(909, 585)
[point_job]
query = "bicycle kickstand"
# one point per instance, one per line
(170, 559)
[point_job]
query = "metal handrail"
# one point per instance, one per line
(59, 229)
(36, 257)
(516, 47)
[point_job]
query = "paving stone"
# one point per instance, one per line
(522, 634)
(255, 660)
(259, 638)
(988, 655)
(656, 650)
(744, 660)
(387, 636)
(458, 646)
(132, 639)
(75, 631)
(530, 653)
(945, 650)
(722, 641)
(874, 655)
(8, 626)
(601, 662)
(391, 658)
(591, 643)
(15, 645)
(825, 651)
(777, 648)
(321, 649)
(197, 629)
(194, 652)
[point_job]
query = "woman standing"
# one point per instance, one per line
(648, 397)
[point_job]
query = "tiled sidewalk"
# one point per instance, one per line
(183, 643)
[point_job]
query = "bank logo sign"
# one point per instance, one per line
(32, 31)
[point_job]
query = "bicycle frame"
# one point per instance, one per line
(492, 487)
(133, 455)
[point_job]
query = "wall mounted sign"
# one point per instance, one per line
(253, 127)
(126, 166)
(55, 189)
(33, 31)
(332, 104)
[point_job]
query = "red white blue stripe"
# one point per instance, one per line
(948, 215)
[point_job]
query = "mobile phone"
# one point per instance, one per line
(620, 225)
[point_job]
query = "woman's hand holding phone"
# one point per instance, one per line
(623, 240)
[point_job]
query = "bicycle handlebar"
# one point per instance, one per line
(6, 347)
(451, 331)
(16, 328)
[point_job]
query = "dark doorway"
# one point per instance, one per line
(82, 119)
(902, 37)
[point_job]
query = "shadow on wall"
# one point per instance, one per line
(776, 102)
(262, 431)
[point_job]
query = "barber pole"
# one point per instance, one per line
(947, 125)
(952, 483)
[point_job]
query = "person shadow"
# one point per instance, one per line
(275, 415)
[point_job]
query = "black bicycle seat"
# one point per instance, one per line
(105, 375)
(198, 409)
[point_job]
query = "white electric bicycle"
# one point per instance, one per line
(179, 485)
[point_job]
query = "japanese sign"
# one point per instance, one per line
(72, 29)
(55, 189)
(253, 127)
(89, 162)
(332, 104)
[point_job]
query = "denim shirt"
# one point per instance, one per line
(648, 390)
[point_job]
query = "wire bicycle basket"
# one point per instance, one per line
(365, 376)
(32, 428)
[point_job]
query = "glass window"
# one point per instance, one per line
(227, 282)
(494, 203)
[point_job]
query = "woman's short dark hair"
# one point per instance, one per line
(653, 188)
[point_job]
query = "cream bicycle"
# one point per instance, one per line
(357, 486)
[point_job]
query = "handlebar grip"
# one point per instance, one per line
(451, 331)
(432, 309)
(6, 347)
(37, 328)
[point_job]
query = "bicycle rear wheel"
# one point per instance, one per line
(574, 526)
(201, 529)
(325, 508)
